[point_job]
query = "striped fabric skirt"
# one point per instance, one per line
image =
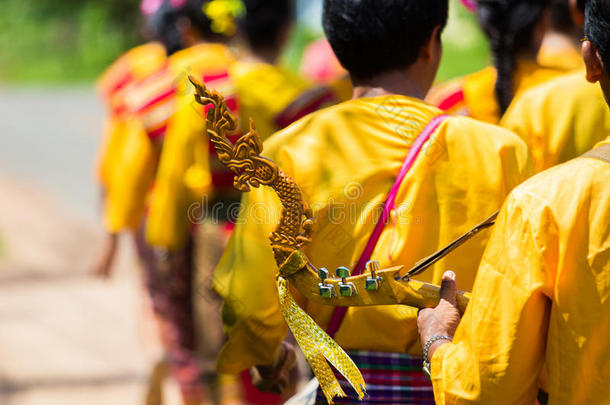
(391, 379)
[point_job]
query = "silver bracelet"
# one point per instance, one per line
(429, 343)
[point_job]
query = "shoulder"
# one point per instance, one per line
(151, 49)
(481, 79)
(202, 58)
(564, 89)
(569, 97)
(265, 82)
(131, 65)
(447, 95)
(473, 133)
(308, 129)
(565, 186)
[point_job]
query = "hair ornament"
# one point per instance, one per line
(150, 7)
(177, 3)
(471, 5)
(222, 14)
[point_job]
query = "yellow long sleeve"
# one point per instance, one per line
(498, 349)
(539, 314)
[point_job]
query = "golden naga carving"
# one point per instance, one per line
(294, 229)
(375, 287)
(252, 170)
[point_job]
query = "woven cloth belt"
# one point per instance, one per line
(391, 378)
(599, 153)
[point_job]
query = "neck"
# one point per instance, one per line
(530, 55)
(395, 82)
(556, 40)
(246, 54)
(267, 55)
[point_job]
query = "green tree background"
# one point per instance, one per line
(72, 41)
(63, 40)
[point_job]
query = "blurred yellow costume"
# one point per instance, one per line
(474, 95)
(559, 120)
(126, 155)
(539, 314)
(184, 174)
(345, 159)
(264, 91)
(183, 177)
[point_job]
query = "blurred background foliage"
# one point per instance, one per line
(72, 41)
(63, 40)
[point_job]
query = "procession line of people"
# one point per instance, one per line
(509, 137)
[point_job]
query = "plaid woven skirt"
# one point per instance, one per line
(391, 379)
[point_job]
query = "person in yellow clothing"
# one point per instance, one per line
(121, 141)
(264, 88)
(515, 29)
(560, 119)
(187, 176)
(539, 315)
(346, 159)
(194, 33)
(560, 46)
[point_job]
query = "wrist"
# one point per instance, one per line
(270, 371)
(433, 343)
(275, 377)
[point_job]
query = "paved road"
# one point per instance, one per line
(49, 136)
(64, 338)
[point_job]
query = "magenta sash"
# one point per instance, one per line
(390, 204)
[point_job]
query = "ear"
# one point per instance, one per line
(593, 62)
(432, 46)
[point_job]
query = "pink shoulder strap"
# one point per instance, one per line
(390, 204)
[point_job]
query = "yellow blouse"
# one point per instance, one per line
(539, 314)
(264, 91)
(126, 158)
(183, 176)
(345, 159)
(559, 120)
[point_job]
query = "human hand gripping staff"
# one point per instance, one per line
(377, 287)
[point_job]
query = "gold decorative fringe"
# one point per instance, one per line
(318, 347)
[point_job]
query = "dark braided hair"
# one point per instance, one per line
(509, 25)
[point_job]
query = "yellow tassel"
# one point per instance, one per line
(318, 347)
